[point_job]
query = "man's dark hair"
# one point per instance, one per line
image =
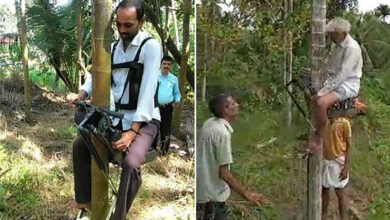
(217, 104)
(137, 4)
(167, 58)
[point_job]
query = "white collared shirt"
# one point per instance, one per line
(212, 151)
(150, 57)
(345, 67)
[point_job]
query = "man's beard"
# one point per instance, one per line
(128, 37)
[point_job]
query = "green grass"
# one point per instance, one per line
(277, 171)
(66, 131)
(27, 188)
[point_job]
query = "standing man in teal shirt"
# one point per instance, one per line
(168, 98)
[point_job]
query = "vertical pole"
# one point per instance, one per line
(183, 64)
(290, 9)
(23, 36)
(101, 70)
(79, 42)
(174, 7)
(314, 208)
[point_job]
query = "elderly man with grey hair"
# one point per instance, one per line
(345, 71)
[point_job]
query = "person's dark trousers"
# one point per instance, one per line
(165, 127)
(82, 171)
(212, 211)
(131, 172)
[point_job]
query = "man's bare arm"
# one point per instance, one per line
(227, 176)
(345, 171)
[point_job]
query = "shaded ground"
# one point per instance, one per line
(36, 176)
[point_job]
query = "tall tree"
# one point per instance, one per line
(318, 75)
(174, 8)
(288, 7)
(101, 70)
(183, 64)
(383, 11)
(79, 43)
(23, 36)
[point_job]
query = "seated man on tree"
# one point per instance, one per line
(345, 71)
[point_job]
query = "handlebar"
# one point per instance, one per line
(88, 107)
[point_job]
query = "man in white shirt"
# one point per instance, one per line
(141, 113)
(345, 71)
(213, 159)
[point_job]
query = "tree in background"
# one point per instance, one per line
(383, 11)
(183, 64)
(51, 31)
(24, 45)
(79, 43)
(288, 63)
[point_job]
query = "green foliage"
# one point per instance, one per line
(46, 78)
(66, 131)
(253, 55)
(372, 34)
(243, 51)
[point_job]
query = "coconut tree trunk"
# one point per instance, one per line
(101, 70)
(314, 208)
(183, 66)
(175, 24)
(166, 31)
(23, 35)
(288, 61)
(79, 45)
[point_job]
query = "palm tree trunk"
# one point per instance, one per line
(101, 62)
(23, 35)
(166, 31)
(183, 66)
(289, 64)
(79, 44)
(287, 76)
(314, 208)
(175, 24)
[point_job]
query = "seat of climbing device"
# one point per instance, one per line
(350, 107)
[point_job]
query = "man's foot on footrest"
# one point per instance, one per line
(315, 143)
(74, 205)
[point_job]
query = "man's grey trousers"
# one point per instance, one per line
(130, 180)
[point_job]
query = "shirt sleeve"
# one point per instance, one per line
(347, 69)
(176, 91)
(87, 86)
(223, 150)
(150, 57)
(347, 129)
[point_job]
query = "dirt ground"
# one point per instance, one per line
(38, 163)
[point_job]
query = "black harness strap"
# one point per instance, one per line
(128, 65)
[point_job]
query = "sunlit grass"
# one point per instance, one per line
(39, 182)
